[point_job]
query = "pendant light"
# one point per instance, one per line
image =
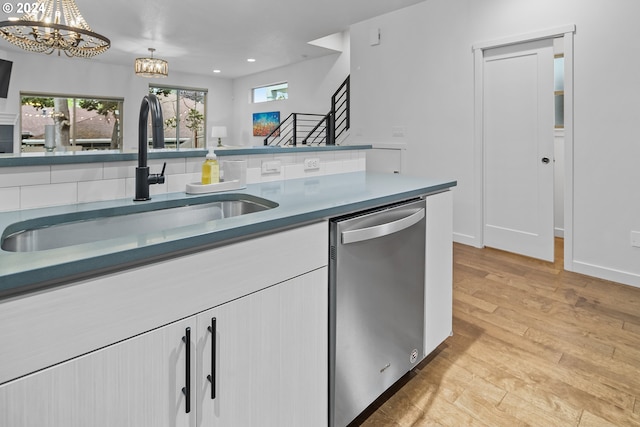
(151, 67)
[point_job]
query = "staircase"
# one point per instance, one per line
(315, 129)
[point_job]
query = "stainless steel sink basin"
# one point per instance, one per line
(91, 226)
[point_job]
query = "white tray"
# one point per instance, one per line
(199, 188)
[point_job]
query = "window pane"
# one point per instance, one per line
(97, 123)
(66, 123)
(192, 118)
(184, 115)
(168, 105)
(558, 71)
(270, 93)
(559, 104)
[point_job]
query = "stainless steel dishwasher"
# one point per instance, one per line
(377, 273)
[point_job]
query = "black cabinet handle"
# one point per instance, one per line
(187, 367)
(212, 377)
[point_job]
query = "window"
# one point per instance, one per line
(184, 115)
(273, 92)
(558, 70)
(68, 122)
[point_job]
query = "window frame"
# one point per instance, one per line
(178, 89)
(73, 139)
(276, 86)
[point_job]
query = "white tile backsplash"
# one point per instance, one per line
(178, 183)
(174, 166)
(254, 175)
(9, 199)
(130, 187)
(114, 170)
(24, 175)
(159, 189)
(25, 187)
(38, 196)
(332, 168)
(106, 189)
(76, 172)
(350, 165)
(194, 165)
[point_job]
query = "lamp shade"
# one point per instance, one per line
(219, 132)
(151, 67)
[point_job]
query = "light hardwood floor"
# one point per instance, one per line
(532, 345)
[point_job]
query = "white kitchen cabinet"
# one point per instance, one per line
(137, 382)
(271, 357)
(271, 370)
(439, 270)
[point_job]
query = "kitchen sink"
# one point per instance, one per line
(76, 228)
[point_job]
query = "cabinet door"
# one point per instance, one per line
(137, 382)
(271, 357)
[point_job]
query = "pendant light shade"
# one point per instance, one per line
(151, 67)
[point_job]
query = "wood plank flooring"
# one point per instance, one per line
(532, 345)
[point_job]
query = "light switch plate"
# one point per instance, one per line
(374, 36)
(635, 239)
(270, 166)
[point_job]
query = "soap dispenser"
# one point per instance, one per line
(210, 168)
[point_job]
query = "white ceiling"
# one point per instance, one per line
(197, 36)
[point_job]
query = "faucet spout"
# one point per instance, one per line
(143, 178)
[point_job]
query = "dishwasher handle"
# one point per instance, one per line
(353, 236)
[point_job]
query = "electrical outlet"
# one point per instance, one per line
(635, 239)
(270, 167)
(311, 164)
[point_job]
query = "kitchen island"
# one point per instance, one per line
(91, 314)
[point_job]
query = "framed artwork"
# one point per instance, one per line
(264, 123)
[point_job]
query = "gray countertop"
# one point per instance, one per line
(299, 201)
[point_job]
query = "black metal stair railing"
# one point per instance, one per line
(340, 110)
(307, 129)
(292, 130)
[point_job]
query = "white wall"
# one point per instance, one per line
(420, 78)
(311, 85)
(88, 77)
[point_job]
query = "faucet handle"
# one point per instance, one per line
(157, 178)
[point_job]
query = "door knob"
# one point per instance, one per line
(545, 160)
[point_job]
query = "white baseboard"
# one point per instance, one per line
(606, 273)
(558, 232)
(465, 239)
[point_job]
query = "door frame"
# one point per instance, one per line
(566, 32)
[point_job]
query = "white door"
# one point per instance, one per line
(518, 136)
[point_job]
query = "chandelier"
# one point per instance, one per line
(51, 25)
(151, 67)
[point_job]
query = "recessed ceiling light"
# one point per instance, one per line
(251, 60)
(216, 71)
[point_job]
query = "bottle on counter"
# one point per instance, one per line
(210, 168)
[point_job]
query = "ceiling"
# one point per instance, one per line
(198, 36)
